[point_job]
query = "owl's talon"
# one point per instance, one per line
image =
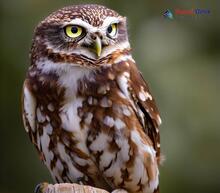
(119, 191)
(40, 188)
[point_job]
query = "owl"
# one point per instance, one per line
(86, 107)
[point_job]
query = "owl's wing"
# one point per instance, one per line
(147, 111)
(29, 111)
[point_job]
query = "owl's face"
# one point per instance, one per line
(90, 31)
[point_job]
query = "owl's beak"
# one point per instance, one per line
(97, 46)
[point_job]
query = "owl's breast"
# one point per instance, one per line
(88, 130)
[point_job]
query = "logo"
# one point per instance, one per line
(168, 14)
(193, 12)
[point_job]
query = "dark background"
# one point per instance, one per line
(180, 58)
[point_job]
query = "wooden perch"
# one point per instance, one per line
(69, 188)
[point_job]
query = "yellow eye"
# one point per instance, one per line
(112, 29)
(73, 31)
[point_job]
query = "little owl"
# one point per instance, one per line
(86, 107)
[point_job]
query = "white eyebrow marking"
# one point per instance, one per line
(91, 28)
(81, 23)
(110, 20)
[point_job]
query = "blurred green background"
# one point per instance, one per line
(180, 58)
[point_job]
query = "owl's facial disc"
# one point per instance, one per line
(94, 41)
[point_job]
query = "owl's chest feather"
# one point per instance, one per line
(87, 124)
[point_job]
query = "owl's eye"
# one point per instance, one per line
(73, 31)
(112, 29)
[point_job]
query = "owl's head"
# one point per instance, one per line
(88, 31)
